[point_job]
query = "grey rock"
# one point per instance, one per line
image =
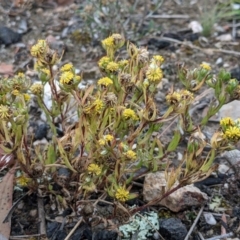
(8, 36)
(172, 229)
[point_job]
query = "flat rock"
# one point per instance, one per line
(183, 198)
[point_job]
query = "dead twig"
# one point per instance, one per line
(194, 223)
(74, 229)
(166, 16)
(221, 236)
(41, 215)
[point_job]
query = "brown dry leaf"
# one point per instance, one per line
(6, 69)
(64, 2)
(6, 190)
(223, 229)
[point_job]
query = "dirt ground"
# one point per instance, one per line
(165, 31)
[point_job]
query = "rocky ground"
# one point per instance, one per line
(173, 30)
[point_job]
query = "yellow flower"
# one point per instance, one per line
(129, 113)
(131, 155)
(46, 71)
(66, 77)
(23, 181)
(94, 168)
(108, 137)
(105, 81)
(36, 88)
(206, 66)
(186, 95)
(122, 194)
(38, 48)
(226, 122)
(21, 75)
(26, 97)
(103, 62)
(15, 92)
(102, 142)
(173, 98)
(4, 112)
(108, 42)
(154, 74)
(158, 58)
(66, 67)
(78, 78)
(112, 66)
(98, 105)
(232, 133)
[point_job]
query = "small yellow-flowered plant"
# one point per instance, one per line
(26, 97)
(38, 48)
(108, 137)
(105, 81)
(232, 133)
(98, 105)
(158, 59)
(4, 112)
(103, 62)
(108, 42)
(206, 66)
(154, 74)
(15, 92)
(112, 67)
(23, 181)
(226, 122)
(94, 168)
(66, 67)
(122, 194)
(129, 114)
(66, 77)
(36, 88)
(131, 155)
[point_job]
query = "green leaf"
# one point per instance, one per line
(51, 155)
(174, 143)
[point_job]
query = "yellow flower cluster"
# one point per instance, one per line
(26, 97)
(131, 155)
(154, 74)
(38, 48)
(129, 114)
(230, 128)
(4, 112)
(103, 62)
(122, 194)
(226, 122)
(232, 133)
(66, 67)
(94, 168)
(179, 96)
(112, 67)
(66, 77)
(106, 139)
(36, 88)
(15, 92)
(98, 105)
(158, 58)
(108, 42)
(23, 181)
(105, 81)
(206, 66)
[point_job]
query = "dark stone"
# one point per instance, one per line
(175, 36)
(41, 132)
(172, 229)
(235, 73)
(83, 232)
(159, 44)
(8, 36)
(104, 235)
